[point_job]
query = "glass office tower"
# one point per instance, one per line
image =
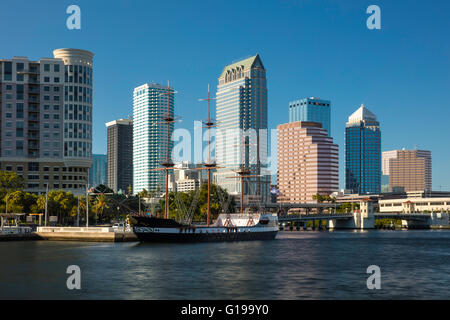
(242, 128)
(311, 110)
(97, 173)
(363, 153)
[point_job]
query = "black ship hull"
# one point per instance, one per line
(204, 237)
(151, 229)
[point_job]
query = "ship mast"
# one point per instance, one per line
(243, 173)
(209, 165)
(167, 165)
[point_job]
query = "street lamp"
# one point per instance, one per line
(6, 203)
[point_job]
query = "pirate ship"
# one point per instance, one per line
(227, 227)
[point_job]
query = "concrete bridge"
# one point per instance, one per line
(283, 208)
(365, 218)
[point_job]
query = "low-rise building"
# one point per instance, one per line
(186, 177)
(416, 204)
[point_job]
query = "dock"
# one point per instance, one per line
(19, 237)
(16, 233)
(100, 234)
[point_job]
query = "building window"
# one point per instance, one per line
(8, 71)
(33, 166)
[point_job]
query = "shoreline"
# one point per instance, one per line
(131, 237)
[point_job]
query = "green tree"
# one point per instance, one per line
(83, 209)
(102, 204)
(195, 203)
(144, 194)
(9, 182)
(60, 203)
(347, 207)
(318, 197)
(21, 202)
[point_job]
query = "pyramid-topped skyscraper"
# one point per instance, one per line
(363, 152)
(242, 128)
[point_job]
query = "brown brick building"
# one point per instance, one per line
(408, 170)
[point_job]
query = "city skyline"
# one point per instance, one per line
(396, 71)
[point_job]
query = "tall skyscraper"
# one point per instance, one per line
(120, 154)
(313, 110)
(46, 120)
(151, 104)
(407, 170)
(97, 173)
(242, 127)
(363, 152)
(308, 162)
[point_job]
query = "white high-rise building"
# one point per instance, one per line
(151, 104)
(46, 120)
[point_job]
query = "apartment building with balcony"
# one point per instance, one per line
(43, 119)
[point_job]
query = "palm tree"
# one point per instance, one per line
(319, 198)
(101, 204)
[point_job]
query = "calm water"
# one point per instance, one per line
(298, 265)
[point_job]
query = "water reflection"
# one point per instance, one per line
(298, 265)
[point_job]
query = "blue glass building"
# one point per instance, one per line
(363, 153)
(97, 173)
(311, 110)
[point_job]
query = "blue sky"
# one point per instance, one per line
(309, 48)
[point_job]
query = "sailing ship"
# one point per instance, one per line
(227, 227)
